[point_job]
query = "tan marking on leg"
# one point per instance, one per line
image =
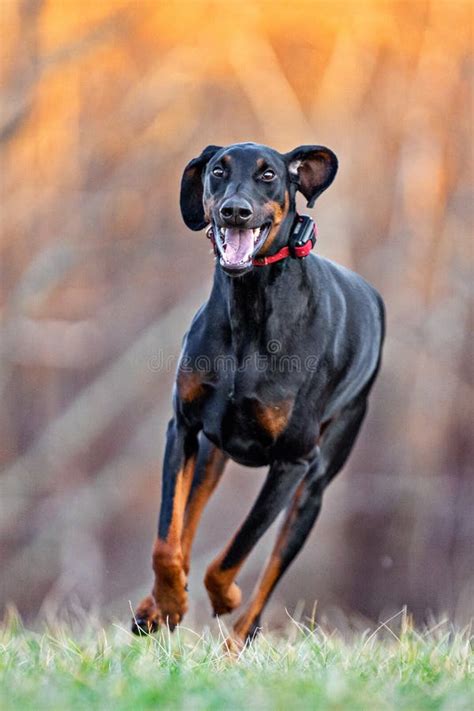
(190, 385)
(224, 593)
(197, 501)
(274, 418)
(269, 576)
(170, 579)
(244, 623)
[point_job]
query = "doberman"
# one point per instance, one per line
(275, 370)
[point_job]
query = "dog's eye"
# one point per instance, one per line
(268, 175)
(217, 172)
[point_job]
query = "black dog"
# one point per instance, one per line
(275, 370)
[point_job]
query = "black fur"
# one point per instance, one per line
(300, 339)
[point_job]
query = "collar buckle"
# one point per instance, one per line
(302, 240)
(303, 236)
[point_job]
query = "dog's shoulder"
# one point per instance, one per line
(337, 279)
(349, 303)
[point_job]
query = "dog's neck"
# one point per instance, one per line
(266, 303)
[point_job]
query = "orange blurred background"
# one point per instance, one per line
(103, 103)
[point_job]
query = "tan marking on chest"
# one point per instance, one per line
(190, 386)
(274, 418)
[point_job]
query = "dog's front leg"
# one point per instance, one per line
(282, 480)
(168, 603)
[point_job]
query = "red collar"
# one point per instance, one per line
(296, 250)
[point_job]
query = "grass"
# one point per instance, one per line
(306, 669)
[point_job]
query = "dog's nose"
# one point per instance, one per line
(236, 211)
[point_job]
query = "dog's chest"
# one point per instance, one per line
(265, 419)
(246, 426)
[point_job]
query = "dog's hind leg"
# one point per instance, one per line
(335, 446)
(210, 465)
(282, 480)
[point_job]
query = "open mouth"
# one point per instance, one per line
(237, 246)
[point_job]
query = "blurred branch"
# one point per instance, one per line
(90, 413)
(116, 23)
(268, 91)
(16, 106)
(92, 505)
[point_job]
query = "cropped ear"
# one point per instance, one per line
(312, 168)
(192, 189)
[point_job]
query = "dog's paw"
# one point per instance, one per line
(244, 634)
(223, 600)
(247, 628)
(147, 617)
(171, 593)
(233, 646)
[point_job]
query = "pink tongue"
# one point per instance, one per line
(239, 245)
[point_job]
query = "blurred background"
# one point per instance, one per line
(103, 103)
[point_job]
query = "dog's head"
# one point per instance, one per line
(247, 193)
